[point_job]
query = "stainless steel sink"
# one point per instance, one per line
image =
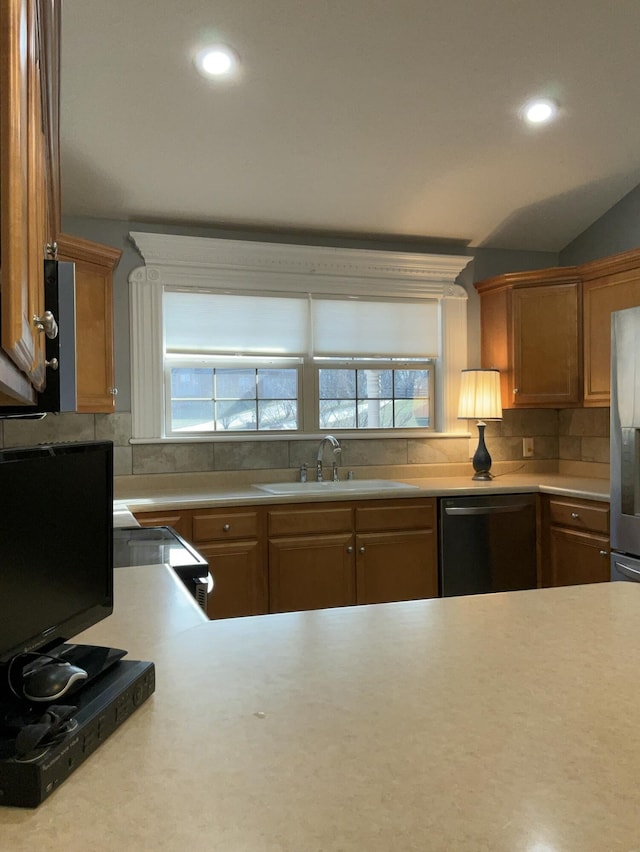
(351, 486)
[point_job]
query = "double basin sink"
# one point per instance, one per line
(348, 486)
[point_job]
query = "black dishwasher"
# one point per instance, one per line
(487, 544)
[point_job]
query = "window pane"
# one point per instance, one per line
(277, 384)
(191, 382)
(411, 383)
(191, 416)
(373, 384)
(235, 384)
(236, 415)
(337, 384)
(278, 414)
(337, 414)
(375, 414)
(411, 413)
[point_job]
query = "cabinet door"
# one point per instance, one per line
(29, 48)
(578, 557)
(239, 580)
(600, 297)
(94, 265)
(546, 337)
(396, 566)
(311, 572)
(179, 521)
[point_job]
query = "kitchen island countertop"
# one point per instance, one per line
(494, 722)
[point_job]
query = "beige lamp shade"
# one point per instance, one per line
(480, 395)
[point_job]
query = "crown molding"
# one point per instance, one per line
(317, 268)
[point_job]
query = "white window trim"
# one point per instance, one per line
(172, 260)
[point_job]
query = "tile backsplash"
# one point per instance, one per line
(572, 435)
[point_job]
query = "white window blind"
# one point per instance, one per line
(375, 328)
(216, 323)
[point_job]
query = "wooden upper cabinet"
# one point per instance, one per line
(531, 331)
(94, 265)
(29, 186)
(611, 284)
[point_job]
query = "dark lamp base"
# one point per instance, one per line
(482, 459)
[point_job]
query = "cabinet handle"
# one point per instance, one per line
(604, 553)
(226, 527)
(575, 516)
(362, 549)
(350, 549)
(47, 323)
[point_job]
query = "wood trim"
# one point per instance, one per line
(610, 265)
(530, 278)
(78, 249)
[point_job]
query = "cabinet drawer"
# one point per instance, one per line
(580, 515)
(224, 525)
(399, 516)
(179, 521)
(301, 521)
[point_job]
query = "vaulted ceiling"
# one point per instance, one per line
(365, 117)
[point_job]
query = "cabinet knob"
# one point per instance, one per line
(47, 323)
(516, 390)
(113, 391)
(226, 527)
(362, 549)
(575, 516)
(350, 549)
(604, 553)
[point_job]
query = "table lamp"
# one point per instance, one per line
(480, 400)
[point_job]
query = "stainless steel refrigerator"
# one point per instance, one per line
(625, 445)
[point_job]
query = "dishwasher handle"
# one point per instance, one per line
(484, 510)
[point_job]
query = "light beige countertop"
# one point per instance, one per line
(153, 493)
(492, 723)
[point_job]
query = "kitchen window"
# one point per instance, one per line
(256, 363)
(250, 339)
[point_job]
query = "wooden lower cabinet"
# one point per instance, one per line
(288, 557)
(232, 542)
(395, 566)
(361, 553)
(239, 579)
(578, 557)
(575, 541)
(311, 572)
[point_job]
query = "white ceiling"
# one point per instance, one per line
(385, 117)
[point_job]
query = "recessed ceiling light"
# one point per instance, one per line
(540, 111)
(217, 60)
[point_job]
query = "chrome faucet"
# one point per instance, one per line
(337, 449)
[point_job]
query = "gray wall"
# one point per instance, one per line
(616, 231)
